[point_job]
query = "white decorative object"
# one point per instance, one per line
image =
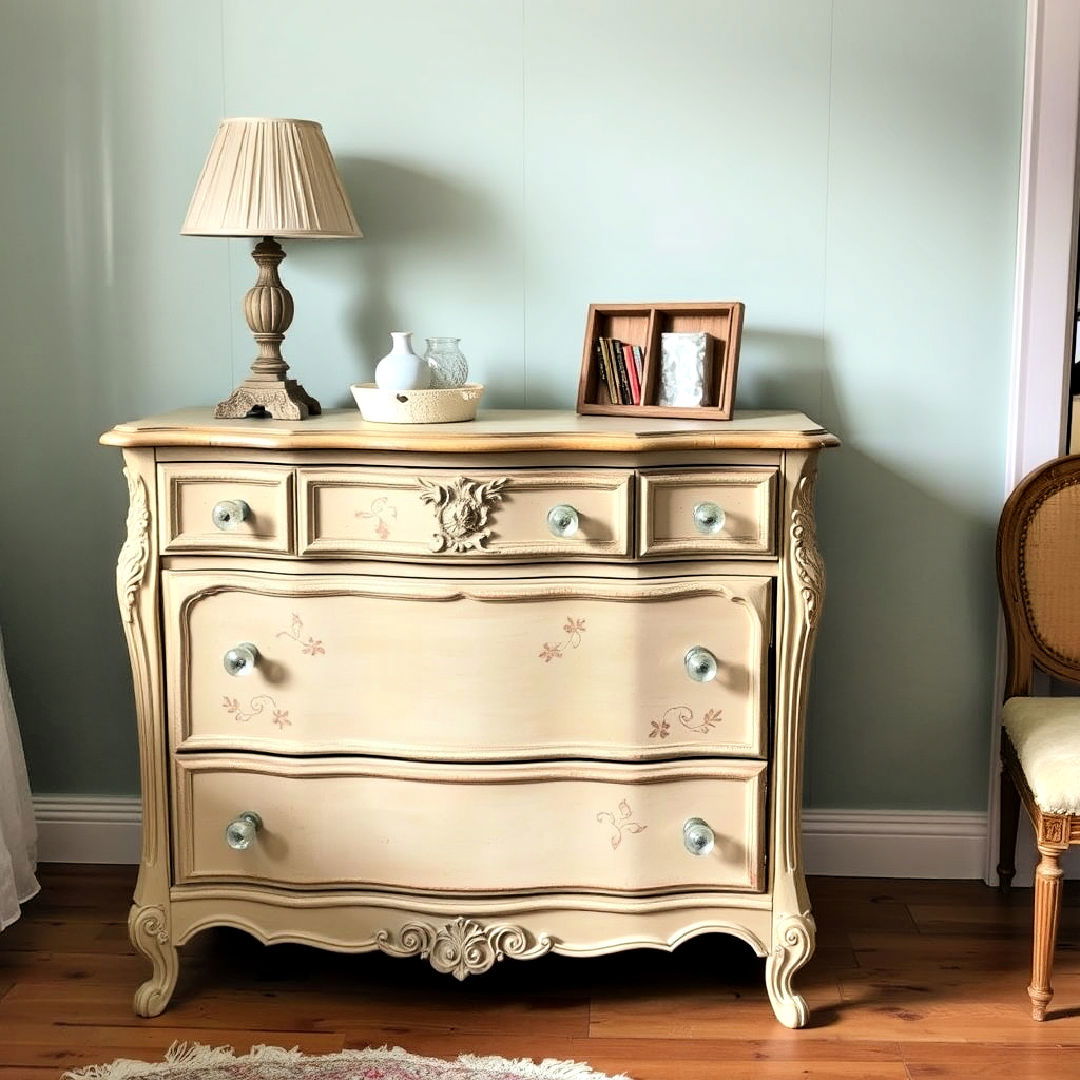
(683, 375)
(417, 406)
(18, 833)
(401, 368)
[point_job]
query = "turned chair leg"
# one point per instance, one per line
(1010, 818)
(1047, 909)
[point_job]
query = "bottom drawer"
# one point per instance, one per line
(487, 829)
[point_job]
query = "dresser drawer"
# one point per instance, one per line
(708, 512)
(226, 508)
(468, 669)
(485, 829)
(541, 513)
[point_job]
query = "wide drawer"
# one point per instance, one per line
(488, 829)
(728, 511)
(542, 513)
(467, 669)
(227, 508)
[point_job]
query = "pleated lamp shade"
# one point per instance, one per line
(267, 177)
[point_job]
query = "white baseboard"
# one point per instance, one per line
(890, 843)
(87, 828)
(839, 843)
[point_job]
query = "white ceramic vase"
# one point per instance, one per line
(401, 369)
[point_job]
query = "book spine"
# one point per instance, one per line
(601, 370)
(621, 372)
(612, 380)
(639, 363)
(632, 372)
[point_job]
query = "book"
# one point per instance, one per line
(639, 363)
(609, 369)
(632, 371)
(600, 368)
(621, 373)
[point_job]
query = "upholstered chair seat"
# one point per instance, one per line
(1045, 733)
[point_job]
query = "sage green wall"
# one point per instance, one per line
(849, 169)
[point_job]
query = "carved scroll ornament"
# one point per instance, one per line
(809, 565)
(462, 510)
(463, 947)
(135, 552)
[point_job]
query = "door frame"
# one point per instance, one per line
(1044, 305)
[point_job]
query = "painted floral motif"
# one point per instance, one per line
(258, 705)
(553, 650)
(620, 822)
(684, 716)
(380, 512)
(309, 645)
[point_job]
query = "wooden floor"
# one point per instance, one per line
(911, 980)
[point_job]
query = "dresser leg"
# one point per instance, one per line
(793, 945)
(149, 931)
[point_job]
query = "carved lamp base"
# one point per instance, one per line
(268, 307)
(282, 400)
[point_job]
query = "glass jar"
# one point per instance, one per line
(449, 368)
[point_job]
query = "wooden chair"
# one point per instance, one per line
(1038, 558)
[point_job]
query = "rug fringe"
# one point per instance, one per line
(196, 1055)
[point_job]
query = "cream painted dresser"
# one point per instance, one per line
(474, 692)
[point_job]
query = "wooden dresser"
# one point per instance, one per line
(472, 692)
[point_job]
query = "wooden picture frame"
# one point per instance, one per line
(642, 325)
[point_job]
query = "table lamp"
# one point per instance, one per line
(267, 177)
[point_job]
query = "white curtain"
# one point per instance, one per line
(18, 834)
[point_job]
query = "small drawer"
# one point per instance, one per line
(483, 513)
(550, 827)
(234, 508)
(708, 512)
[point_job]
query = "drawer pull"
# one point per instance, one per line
(228, 514)
(563, 520)
(241, 659)
(240, 832)
(697, 836)
(700, 664)
(709, 518)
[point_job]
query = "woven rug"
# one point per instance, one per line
(190, 1061)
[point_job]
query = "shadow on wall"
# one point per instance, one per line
(910, 601)
(413, 222)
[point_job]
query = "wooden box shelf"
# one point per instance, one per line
(642, 324)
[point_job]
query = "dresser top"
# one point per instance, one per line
(494, 430)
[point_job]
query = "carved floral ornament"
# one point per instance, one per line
(463, 947)
(463, 508)
(135, 551)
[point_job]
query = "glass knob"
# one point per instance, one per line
(697, 837)
(241, 659)
(700, 664)
(228, 514)
(563, 520)
(240, 832)
(709, 518)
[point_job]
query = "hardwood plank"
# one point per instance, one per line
(961, 1061)
(914, 980)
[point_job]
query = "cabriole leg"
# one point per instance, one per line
(149, 931)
